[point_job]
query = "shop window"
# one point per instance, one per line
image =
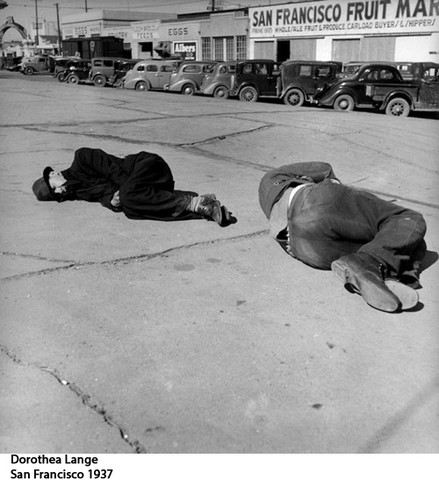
(241, 47)
(206, 48)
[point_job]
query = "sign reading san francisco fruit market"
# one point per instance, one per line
(345, 18)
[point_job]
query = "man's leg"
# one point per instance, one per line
(149, 194)
(329, 222)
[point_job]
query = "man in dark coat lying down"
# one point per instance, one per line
(140, 185)
(373, 246)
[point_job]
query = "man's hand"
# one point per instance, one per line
(115, 201)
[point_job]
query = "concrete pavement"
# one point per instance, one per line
(138, 336)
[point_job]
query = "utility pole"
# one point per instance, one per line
(59, 30)
(86, 9)
(36, 23)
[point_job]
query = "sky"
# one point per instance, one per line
(23, 11)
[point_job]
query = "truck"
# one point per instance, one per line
(381, 87)
(91, 47)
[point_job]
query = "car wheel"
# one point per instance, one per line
(344, 103)
(248, 94)
(188, 89)
(28, 71)
(221, 92)
(73, 79)
(294, 97)
(61, 76)
(100, 81)
(142, 86)
(398, 107)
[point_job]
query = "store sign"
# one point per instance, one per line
(345, 18)
(188, 50)
(178, 31)
(118, 32)
(145, 30)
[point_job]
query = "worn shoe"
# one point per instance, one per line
(210, 207)
(361, 273)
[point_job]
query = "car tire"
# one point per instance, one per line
(188, 89)
(100, 81)
(142, 86)
(221, 92)
(28, 71)
(248, 94)
(73, 79)
(61, 76)
(398, 107)
(344, 103)
(294, 98)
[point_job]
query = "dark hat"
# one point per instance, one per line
(41, 187)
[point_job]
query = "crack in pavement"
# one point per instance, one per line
(86, 399)
(134, 258)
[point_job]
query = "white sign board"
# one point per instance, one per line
(357, 17)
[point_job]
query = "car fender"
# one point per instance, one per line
(177, 86)
(145, 80)
(399, 93)
(328, 98)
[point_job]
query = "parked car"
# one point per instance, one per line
(36, 64)
(150, 74)
(380, 86)
(218, 82)
(187, 79)
(121, 68)
(61, 67)
(254, 79)
(78, 71)
(293, 81)
(301, 79)
(102, 69)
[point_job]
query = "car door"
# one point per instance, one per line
(429, 89)
(265, 77)
(152, 75)
(164, 76)
(364, 88)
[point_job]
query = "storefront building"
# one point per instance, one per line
(362, 30)
(97, 23)
(205, 36)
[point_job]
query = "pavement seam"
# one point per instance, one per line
(135, 258)
(86, 399)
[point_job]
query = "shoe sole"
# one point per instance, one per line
(408, 297)
(375, 294)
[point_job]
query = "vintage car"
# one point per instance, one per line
(381, 87)
(78, 71)
(219, 82)
(103, 69)
(187, 79)
(36, 64)
(293, 81)
(255, 78)
(61, 67)
(150, 74)
(300, 79)
(121, 68)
